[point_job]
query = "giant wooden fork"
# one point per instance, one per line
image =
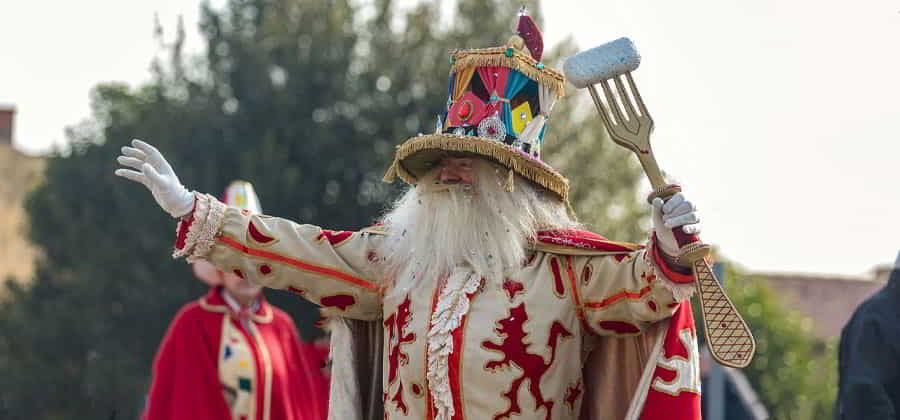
(629, 125)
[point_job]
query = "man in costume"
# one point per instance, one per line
(492, 303)
(869, 357)
(231, 355)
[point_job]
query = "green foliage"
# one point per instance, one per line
(794, 373)
(604, 176)
(306, 99)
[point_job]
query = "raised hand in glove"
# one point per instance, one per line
(157, 175)
(676, 213)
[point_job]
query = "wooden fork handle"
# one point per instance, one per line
(651, 168)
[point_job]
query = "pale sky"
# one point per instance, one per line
(780, 118)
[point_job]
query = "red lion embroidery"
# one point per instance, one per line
(572, 394)
(395, 326)
(515, 352)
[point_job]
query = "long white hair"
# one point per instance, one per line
(435, 227)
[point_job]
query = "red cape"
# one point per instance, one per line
(584, 240)
(185, 372)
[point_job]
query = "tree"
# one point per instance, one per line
(305, 99)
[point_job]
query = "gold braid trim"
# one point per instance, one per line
(528, 168)
(520, 60)
(210, 228)
(201, 209)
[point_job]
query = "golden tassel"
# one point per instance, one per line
(571, 210)
(391, 173)
(510, 185)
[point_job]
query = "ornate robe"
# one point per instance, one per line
(211, 365)
(466, 349)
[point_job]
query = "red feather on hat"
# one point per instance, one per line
(530, 32)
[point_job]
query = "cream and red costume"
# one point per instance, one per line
(463, 349)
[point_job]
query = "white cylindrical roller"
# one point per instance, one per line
(602, 63)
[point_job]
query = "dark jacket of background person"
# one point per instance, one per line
(869, 357)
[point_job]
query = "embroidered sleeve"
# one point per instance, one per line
(622, 294)
(332, 269)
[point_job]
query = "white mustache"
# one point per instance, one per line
(442, 187)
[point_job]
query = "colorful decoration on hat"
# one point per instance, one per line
(531, 34)
(492, 128)
(469, 110)
(521, 116)
(241, 194)
(498, 102)
(439, 126)
(484, 83)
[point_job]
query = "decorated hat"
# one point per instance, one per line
(239, 194)
(499, 101)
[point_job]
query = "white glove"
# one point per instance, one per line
(157, 175)
(678, 212)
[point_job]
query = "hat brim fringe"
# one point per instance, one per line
(523, 165)
(520, 60)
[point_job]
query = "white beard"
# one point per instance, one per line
(435, 227)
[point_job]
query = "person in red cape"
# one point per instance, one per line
(477, 295)
(232, 355)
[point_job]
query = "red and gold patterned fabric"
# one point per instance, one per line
(464, 348)
(211, 365)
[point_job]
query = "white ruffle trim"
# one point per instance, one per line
(680, 291)
(344, 394)
(209, 217)
(451, 307)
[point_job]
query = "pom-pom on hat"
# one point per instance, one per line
(499, 101)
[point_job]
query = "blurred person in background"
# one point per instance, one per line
(869, 357)
(489, 296)
(232, 355)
